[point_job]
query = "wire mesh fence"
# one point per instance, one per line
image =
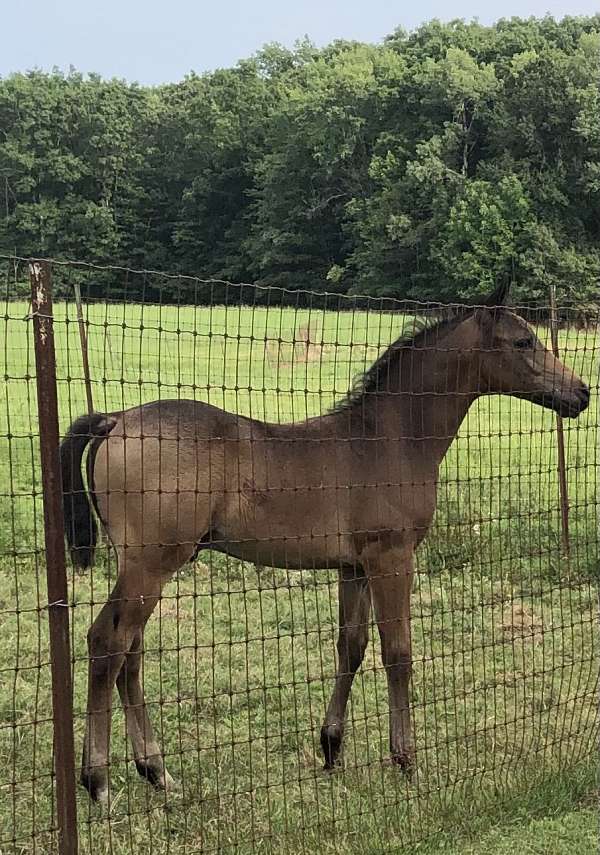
(251, 503)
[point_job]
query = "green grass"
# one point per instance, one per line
(566, 834)
(239, 664)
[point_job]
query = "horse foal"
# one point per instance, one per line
(354, 489)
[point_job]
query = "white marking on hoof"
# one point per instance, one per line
(101, 795)
(170, 784)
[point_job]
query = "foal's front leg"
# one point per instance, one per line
(390, 574)
(354, 609)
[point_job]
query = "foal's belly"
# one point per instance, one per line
(316, 527)
(297, 529)
(286, 553)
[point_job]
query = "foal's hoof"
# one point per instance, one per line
(331, 743)
(158, 777)
(170, 784)
(405, 760)
(95, 782)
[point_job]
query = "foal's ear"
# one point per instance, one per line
(499, 294)
(486, 314)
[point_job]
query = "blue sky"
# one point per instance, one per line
(155, 41)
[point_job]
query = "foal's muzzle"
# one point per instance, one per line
(568, 405)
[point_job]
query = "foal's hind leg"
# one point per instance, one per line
(354, 608)
(143, 571)
(146, 751)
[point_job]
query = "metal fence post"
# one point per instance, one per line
(56, 575)
(562, 466)
(84, 349)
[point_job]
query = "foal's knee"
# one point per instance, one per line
(351, 648)
(397, 661)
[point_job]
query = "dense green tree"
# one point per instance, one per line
(318, 150)
(69, 154)
(425, 167)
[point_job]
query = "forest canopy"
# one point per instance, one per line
(425, 167)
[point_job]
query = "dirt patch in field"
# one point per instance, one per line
(307, 346)
(520, 622)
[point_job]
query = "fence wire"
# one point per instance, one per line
(238, 659)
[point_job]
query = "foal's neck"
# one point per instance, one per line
(434, 392)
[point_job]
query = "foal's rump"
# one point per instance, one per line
(158, 478)
(154, 475)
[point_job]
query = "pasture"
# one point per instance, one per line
(239, 661)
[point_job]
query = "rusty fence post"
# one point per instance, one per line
(560, 434)
(56, 572)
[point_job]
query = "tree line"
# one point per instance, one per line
(425, 167)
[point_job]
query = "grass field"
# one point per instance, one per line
(239, 663)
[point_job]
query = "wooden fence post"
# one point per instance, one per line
(56, 571)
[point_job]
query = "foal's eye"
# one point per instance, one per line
(524, 343)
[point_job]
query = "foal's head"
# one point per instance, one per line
(512, 360)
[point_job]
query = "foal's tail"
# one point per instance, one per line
(80, 525)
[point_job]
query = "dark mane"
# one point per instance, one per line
(422, 333)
